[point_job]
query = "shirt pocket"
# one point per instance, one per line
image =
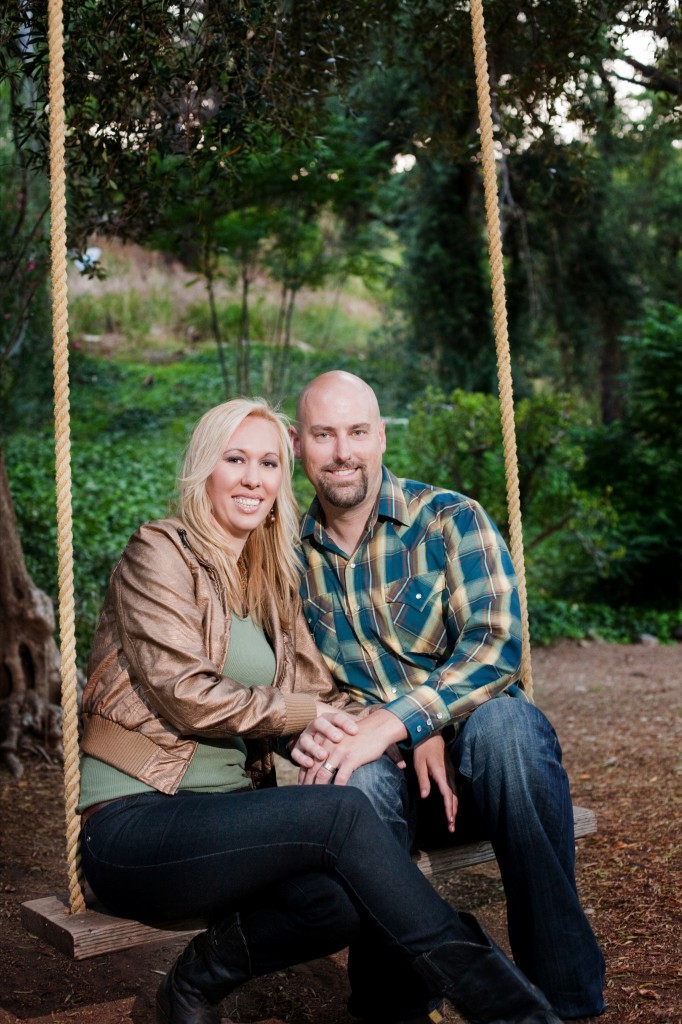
(319, 614)
(415, 608)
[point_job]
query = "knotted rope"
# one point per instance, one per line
(504, 374)
(60, 340)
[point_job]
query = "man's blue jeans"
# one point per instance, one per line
(514, 792)
(306, 867)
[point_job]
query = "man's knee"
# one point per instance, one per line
(386, 786)
(380, 780)
(507, 731)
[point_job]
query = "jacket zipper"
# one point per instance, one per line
(210, 569)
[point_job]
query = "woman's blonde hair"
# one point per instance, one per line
(269, 553)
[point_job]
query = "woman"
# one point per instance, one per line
(201, 661)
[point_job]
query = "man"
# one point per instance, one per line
(410, 594)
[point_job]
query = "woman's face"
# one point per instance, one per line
(245, 482)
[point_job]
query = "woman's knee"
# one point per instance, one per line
(316, 899)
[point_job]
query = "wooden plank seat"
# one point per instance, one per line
(96, 932)
(450, 858)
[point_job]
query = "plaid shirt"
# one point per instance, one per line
(424, 616)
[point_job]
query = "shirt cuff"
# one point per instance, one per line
(423, 713)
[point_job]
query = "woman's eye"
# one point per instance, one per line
(271, 464)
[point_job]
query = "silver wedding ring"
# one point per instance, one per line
(330, 767)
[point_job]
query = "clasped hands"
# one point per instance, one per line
(336, 743)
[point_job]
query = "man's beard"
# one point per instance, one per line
(343, 495)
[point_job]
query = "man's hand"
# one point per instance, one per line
(330, 726)
(373, 736)
(431, 761)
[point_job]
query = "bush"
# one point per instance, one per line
(455, 441)
(553, 619)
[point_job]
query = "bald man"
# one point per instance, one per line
(411, 596)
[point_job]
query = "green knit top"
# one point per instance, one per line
(218, 766)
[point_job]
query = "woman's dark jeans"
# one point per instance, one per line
(307, 866)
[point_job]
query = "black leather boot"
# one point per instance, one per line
(208, 969)
(482, 983)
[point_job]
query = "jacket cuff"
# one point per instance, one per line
(300, 710)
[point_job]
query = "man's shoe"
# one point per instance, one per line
(208, 969)
(482, 983)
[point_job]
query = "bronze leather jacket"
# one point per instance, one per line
(155, 671)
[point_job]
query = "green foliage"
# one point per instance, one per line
(24, 256)
(455, 442)
(117, 484)
(442, 285)
(552, 619)
(597, 239)
(166, 98)
(639, 458)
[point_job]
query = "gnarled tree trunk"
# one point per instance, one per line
(30, 713)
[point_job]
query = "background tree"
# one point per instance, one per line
(554, 76)
(642, 451)
(30, 717)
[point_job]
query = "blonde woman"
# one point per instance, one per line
(201, 661)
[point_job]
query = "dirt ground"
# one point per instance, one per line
(618, 714)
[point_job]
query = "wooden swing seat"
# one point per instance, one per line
(96, 931)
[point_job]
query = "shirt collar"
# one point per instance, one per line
(390, 504)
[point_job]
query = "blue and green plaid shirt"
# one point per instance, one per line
(424, 616)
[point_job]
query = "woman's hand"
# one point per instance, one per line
(373, 736)
(432, 761)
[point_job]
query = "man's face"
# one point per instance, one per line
(340, 441)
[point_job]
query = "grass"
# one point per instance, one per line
(148, 305)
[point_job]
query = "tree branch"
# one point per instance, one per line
(654, 78)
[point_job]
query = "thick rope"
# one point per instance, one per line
(60, 339)
(500, 325)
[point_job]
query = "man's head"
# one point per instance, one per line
(340, 438)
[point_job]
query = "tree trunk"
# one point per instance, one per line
(611, 366)
(30, 715)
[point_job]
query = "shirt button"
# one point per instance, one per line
(393, 689)
(439, 716)
(419, 728)
(352, 565)
(418, 596)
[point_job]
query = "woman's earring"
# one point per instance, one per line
(272, 515)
